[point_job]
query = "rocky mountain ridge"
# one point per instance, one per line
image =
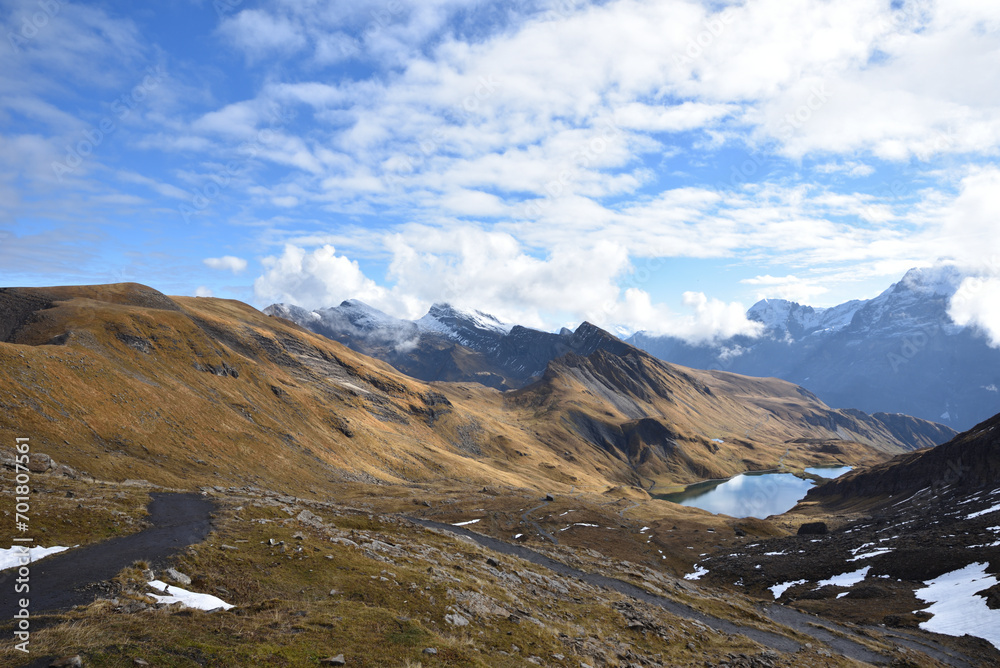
(448, 343)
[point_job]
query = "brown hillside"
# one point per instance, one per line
(121, 381)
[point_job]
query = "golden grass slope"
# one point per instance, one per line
(122, 382)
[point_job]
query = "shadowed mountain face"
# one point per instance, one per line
(664, 418)
(123, 382)
(897, 353)
(969, 462)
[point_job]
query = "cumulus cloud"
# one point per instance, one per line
(975, 304)
(226, 263)
(968, 222)
(492, 272)
(315, 279)
(706, 320)
(203, 291)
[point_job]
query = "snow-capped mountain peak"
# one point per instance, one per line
(451, 321)
(941, 280)
(797, 320)
(364, 316)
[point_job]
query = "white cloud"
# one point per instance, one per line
(262, 33)
(492, 272)
(852, 168)
(976, 304)
(316, 279)
(708, 319)
(203, 291)
(967, 223)
(789, 287)
(555, 128)
(685, 116)
(226, 263)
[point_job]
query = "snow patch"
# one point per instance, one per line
(699, 572)
(956, 608)
(15, 556)
(174, 594)
(873, 553)
(845, 579)
(462, 524)
(780, 589)
(983, 512)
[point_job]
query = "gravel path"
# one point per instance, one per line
(838, 638)
(67, 579)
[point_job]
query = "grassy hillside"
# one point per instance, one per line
(121, 382)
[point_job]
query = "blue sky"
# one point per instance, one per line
(655, 165)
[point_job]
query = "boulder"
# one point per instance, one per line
(813, 529)
(39, 463)
(456, 620)
(177, 576)
(67, 662)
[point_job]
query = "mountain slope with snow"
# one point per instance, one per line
(449, 343)
(899, 352)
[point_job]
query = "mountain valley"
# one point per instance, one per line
(363, 512)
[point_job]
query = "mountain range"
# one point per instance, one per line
(341, 483)
(197, 389)
(450, 344)
(899, 352)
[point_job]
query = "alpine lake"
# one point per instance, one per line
(751, 494)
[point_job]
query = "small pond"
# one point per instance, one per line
(746, 495)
